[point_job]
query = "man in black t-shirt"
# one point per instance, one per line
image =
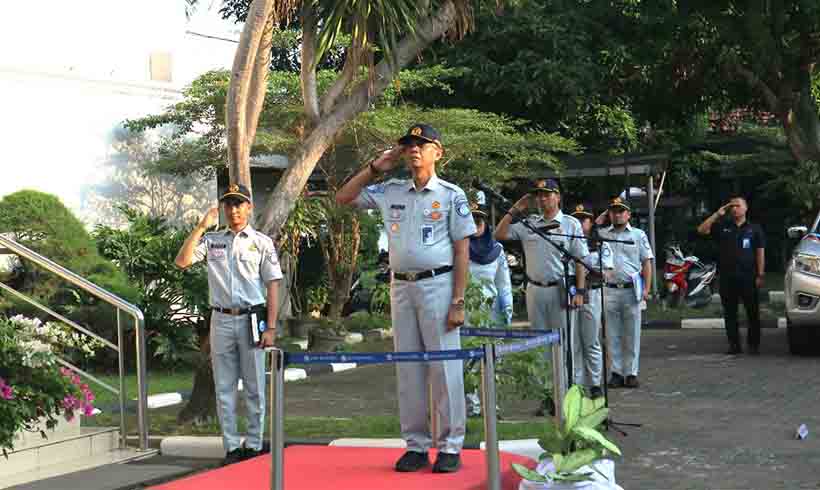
(741, 268)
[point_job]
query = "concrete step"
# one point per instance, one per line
(32, 476)
(38, 453)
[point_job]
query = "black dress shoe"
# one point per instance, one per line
(734, 350)
(234, 456)
(447, 463)
(754, 350)
(616, 381)
(632, 382)
(250, 453)
(595, 392)
(412, 461)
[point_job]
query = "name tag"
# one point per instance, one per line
(747, 243)
(216, 253)
(427, 235)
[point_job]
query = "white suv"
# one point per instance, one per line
(802, 290)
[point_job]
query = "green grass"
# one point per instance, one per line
(158, 382)
(163, 422)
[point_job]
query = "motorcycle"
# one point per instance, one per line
(687, 279)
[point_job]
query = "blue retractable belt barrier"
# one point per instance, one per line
(383, 357)
(503, 333)
(504, 349)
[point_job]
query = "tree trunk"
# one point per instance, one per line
(802, 125)
(796, 110)
(340, 249)
(243, 93)
(201, 408)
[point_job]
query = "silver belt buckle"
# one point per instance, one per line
(411, 276)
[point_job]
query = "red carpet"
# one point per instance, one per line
(347, 468)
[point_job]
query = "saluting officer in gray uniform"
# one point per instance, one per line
(633, 268)
(243, 278)
(546, 296)
(586, 341)
(428, 224)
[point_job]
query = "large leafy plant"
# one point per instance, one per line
(574, 444)
(34, 390)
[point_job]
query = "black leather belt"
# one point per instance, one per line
(543, 285)
(594, 286)
(417, 276)
(239, 311)
(619, 285)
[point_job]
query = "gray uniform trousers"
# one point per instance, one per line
(623, 330)
(419, 314)
(545, 311)
(229, 335)
(586, 343)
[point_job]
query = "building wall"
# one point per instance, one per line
(72, 73)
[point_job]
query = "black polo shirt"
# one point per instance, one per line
(738, 246)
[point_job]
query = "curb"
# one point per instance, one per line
(705, 324)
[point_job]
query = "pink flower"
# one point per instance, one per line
(70, 402)
(65, 372)
(6, 392)
(88, 410)
(75, 379)
(68, 415)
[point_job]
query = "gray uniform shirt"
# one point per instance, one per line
(239, 266)
(544, 260)
(628, 258)
(421, 225)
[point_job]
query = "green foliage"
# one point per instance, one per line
(362, 321)
(33, 388)
(574, 444)
(42, 223)
(172, 299)
(525, 375)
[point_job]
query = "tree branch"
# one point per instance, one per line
(756, 83)
(241, 76)
(340, 84)
(293, 180)
(310, 92)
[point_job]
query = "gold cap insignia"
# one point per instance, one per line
(579, 208)
(416, 131)
(233, 188)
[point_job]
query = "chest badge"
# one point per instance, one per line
(436, 205)
(435, 215)
(394, 227)
(427, 212)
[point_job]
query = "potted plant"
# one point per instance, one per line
(575, 453)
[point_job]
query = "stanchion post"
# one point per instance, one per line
(490, 418)
(277, 419)
(559, 385)
(433, 405)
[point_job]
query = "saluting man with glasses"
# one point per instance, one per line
(428, 223)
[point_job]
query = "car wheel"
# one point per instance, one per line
(803, 340)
